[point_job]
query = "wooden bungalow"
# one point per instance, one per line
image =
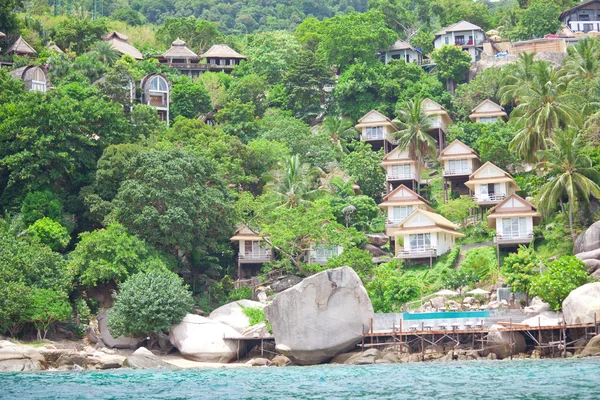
(120, 43)
(425, 235)
(253, 252)
(181, 58)
(440, 119)
(321, 253)
(458, 162)
(378, 130)
(21, 48)
(399, 204)
(222, 58)
(488, 112)
(35, 77)
(490, 185)
(156, 92)
(401, 169)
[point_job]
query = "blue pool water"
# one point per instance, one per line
(446, 315)
(523, 379)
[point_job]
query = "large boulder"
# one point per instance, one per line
(377, 239)
(143, 358)
(589, 255)
(285, 283)
(592, 348)
(582, 303)
(545, 318)
(498, 342)
(232, 314)
(366, 357)
(588, 240)
(100, 360)
(202, 339)
(16, 358)
(322, 316)
(596, 275)
(375, 251)
(122, 342)
(591, 265)
(536, 307)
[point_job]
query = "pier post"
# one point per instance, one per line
(510, 335)
(540, 335)
(422, 342)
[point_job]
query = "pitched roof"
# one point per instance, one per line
(439, 223)
(502, 176)
(178, 49)
(244, 232)
(401, 45)
(494, 110)
(390, 158)
(118, 42)
(21, 47)
(469, 153)
(55, 48)
(2, 35)
(431, 107)
(389, 198)
(519, 207)
(375, 113)
(459, 26)
(222, 51)
(577, 7)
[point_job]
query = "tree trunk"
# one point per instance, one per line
(418, 177)
(451, 86)
(571, 219)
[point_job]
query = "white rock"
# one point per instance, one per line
(232, 314)
(582, 303)
(322, 316)
(17, 358)
(536, 307)
(202, 339)
(498, 342)
(545, 318)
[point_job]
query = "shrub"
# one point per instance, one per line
(457, 279)
(457, 210)
(38, 205)
(256, 315)
(51, 233)
(519, 269)
(14, 300)
(149, 303)
(46, 307)
(452, 257)
(390, 289)
(482, 262)
(242, 293)
(562, 276)
(359, 260)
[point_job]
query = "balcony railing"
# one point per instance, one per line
(457, 171)
(400, 177)
(373, 136)
(514, 237)
(493, 197)
(417, 252)
(584, 26)
(258, 255)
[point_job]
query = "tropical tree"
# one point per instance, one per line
(104, 53)
(413, 127)
(584, 59)
(516, 75)
(452, 64)
(570, 173)
(544, 105)
(293, 184)
(340, 129)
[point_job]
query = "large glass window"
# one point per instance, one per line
(420, 242)
(400, 213)
(456, 167)
(514, 227)
(400, 171)
(374, 132)
(158, 84)
(324, 252)
(488, 120)
(38, 81)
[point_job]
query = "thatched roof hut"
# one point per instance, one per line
(21, 48)
(222, 51)
(178, 49)
(119, 42)
(35, 77)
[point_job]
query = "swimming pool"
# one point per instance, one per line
(445, 315)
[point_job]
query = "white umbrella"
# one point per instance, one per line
(446, 292)
(478, 291)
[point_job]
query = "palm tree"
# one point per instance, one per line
(293, 184)
(104, 53)
(519, 75)
(584, 60)
(570, 173)
(413, 126)
(340, 129)
(544, 105)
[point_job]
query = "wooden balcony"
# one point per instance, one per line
(255, 257)
(421, 252)
(513, 239)
(451, 172)
(401, 177)
(489, 199)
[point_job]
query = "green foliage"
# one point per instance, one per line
(452, 258)
(238, 119)
(468, 95)
(198, 34)
(423, 40)
(241, 293)
(457, 279)
(149, 303)
(389, 289)
(112, 254)
(15, 298)
(361, 261)
(78, 34)
(129, 16)
(189, 100)
(38, 205)
(453, 11)
(482, 262)
(363, 164)
(256, 315)
(520, 269)
(83, 310)
(50, 233)
(452, 63)
(537, 20)
(46, 307)
(457, 210)
(562, 276)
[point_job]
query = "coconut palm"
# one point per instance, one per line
(544, 105)
(519, 74)
(293, 184)
(340, 129)
(570, 174)
(584, 60)
(104, 53)
(413, 126)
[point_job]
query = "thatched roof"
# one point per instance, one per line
(55, 48)
(179, 50)
(222, 51)
(2, 35)
(118, 42)
(21, 47)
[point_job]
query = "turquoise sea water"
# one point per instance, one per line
(523, 379)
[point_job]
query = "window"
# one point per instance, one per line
(407, 58)
(458, 167)
(324, 252)
(374, 132)
(514, 227)
(588, 27)
(447, 40)
(487, 120)
(38, 81)
(158, 84)
(399, 214)
(459, 40)
(400, 171)
(253, 249)
(420, 242)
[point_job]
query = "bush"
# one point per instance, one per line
(14, 300)
(361, 261)
(149, 303)
(38, 205)
(242, 293)
(452, 257)
(457, 210)
(51, 233)
(562, 276)
(457, 279)
(519, 269)
(256, 315)
(45, 308)
(390, 289)
(482, 262)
